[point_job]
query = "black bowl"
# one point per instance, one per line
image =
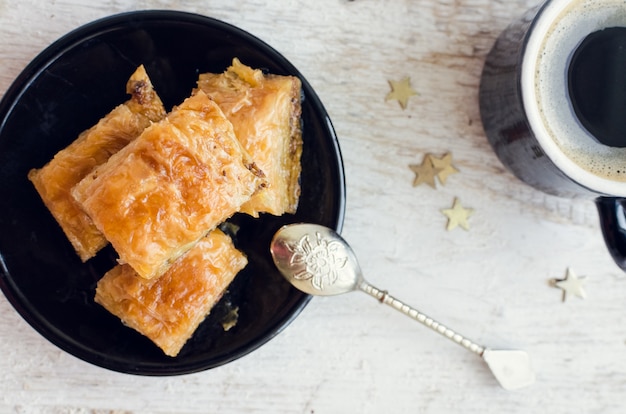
(66, 89)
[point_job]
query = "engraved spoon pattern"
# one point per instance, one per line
(317, 261)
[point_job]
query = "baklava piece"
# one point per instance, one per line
(169, 309)
(265, 112)
(92, 148)
(158, 196)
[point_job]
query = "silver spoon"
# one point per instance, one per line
(317, 261)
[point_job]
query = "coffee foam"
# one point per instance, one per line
(544, 80)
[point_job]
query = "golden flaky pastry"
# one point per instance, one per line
(92, 148)
(167, 189)
(265, 111)
(169, 309)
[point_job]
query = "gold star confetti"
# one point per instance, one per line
(571, 285)
(457, 215)
(401, 91)
(425, 173)
(444, 164)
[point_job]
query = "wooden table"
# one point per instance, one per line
(349, 354)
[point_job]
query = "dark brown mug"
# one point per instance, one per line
(553, 105)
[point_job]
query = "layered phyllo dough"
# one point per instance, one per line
(159, 195)
(265, 111)
(157, 185)
(169, 309)
(92, 148)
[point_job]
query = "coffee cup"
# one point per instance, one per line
(553, 105)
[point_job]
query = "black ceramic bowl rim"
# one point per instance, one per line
(94, 29)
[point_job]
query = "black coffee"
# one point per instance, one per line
(597, 85)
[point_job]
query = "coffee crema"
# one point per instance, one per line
(566, 127)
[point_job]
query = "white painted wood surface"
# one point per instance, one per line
(349, 354)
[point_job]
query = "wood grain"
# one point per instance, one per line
(349, 354)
